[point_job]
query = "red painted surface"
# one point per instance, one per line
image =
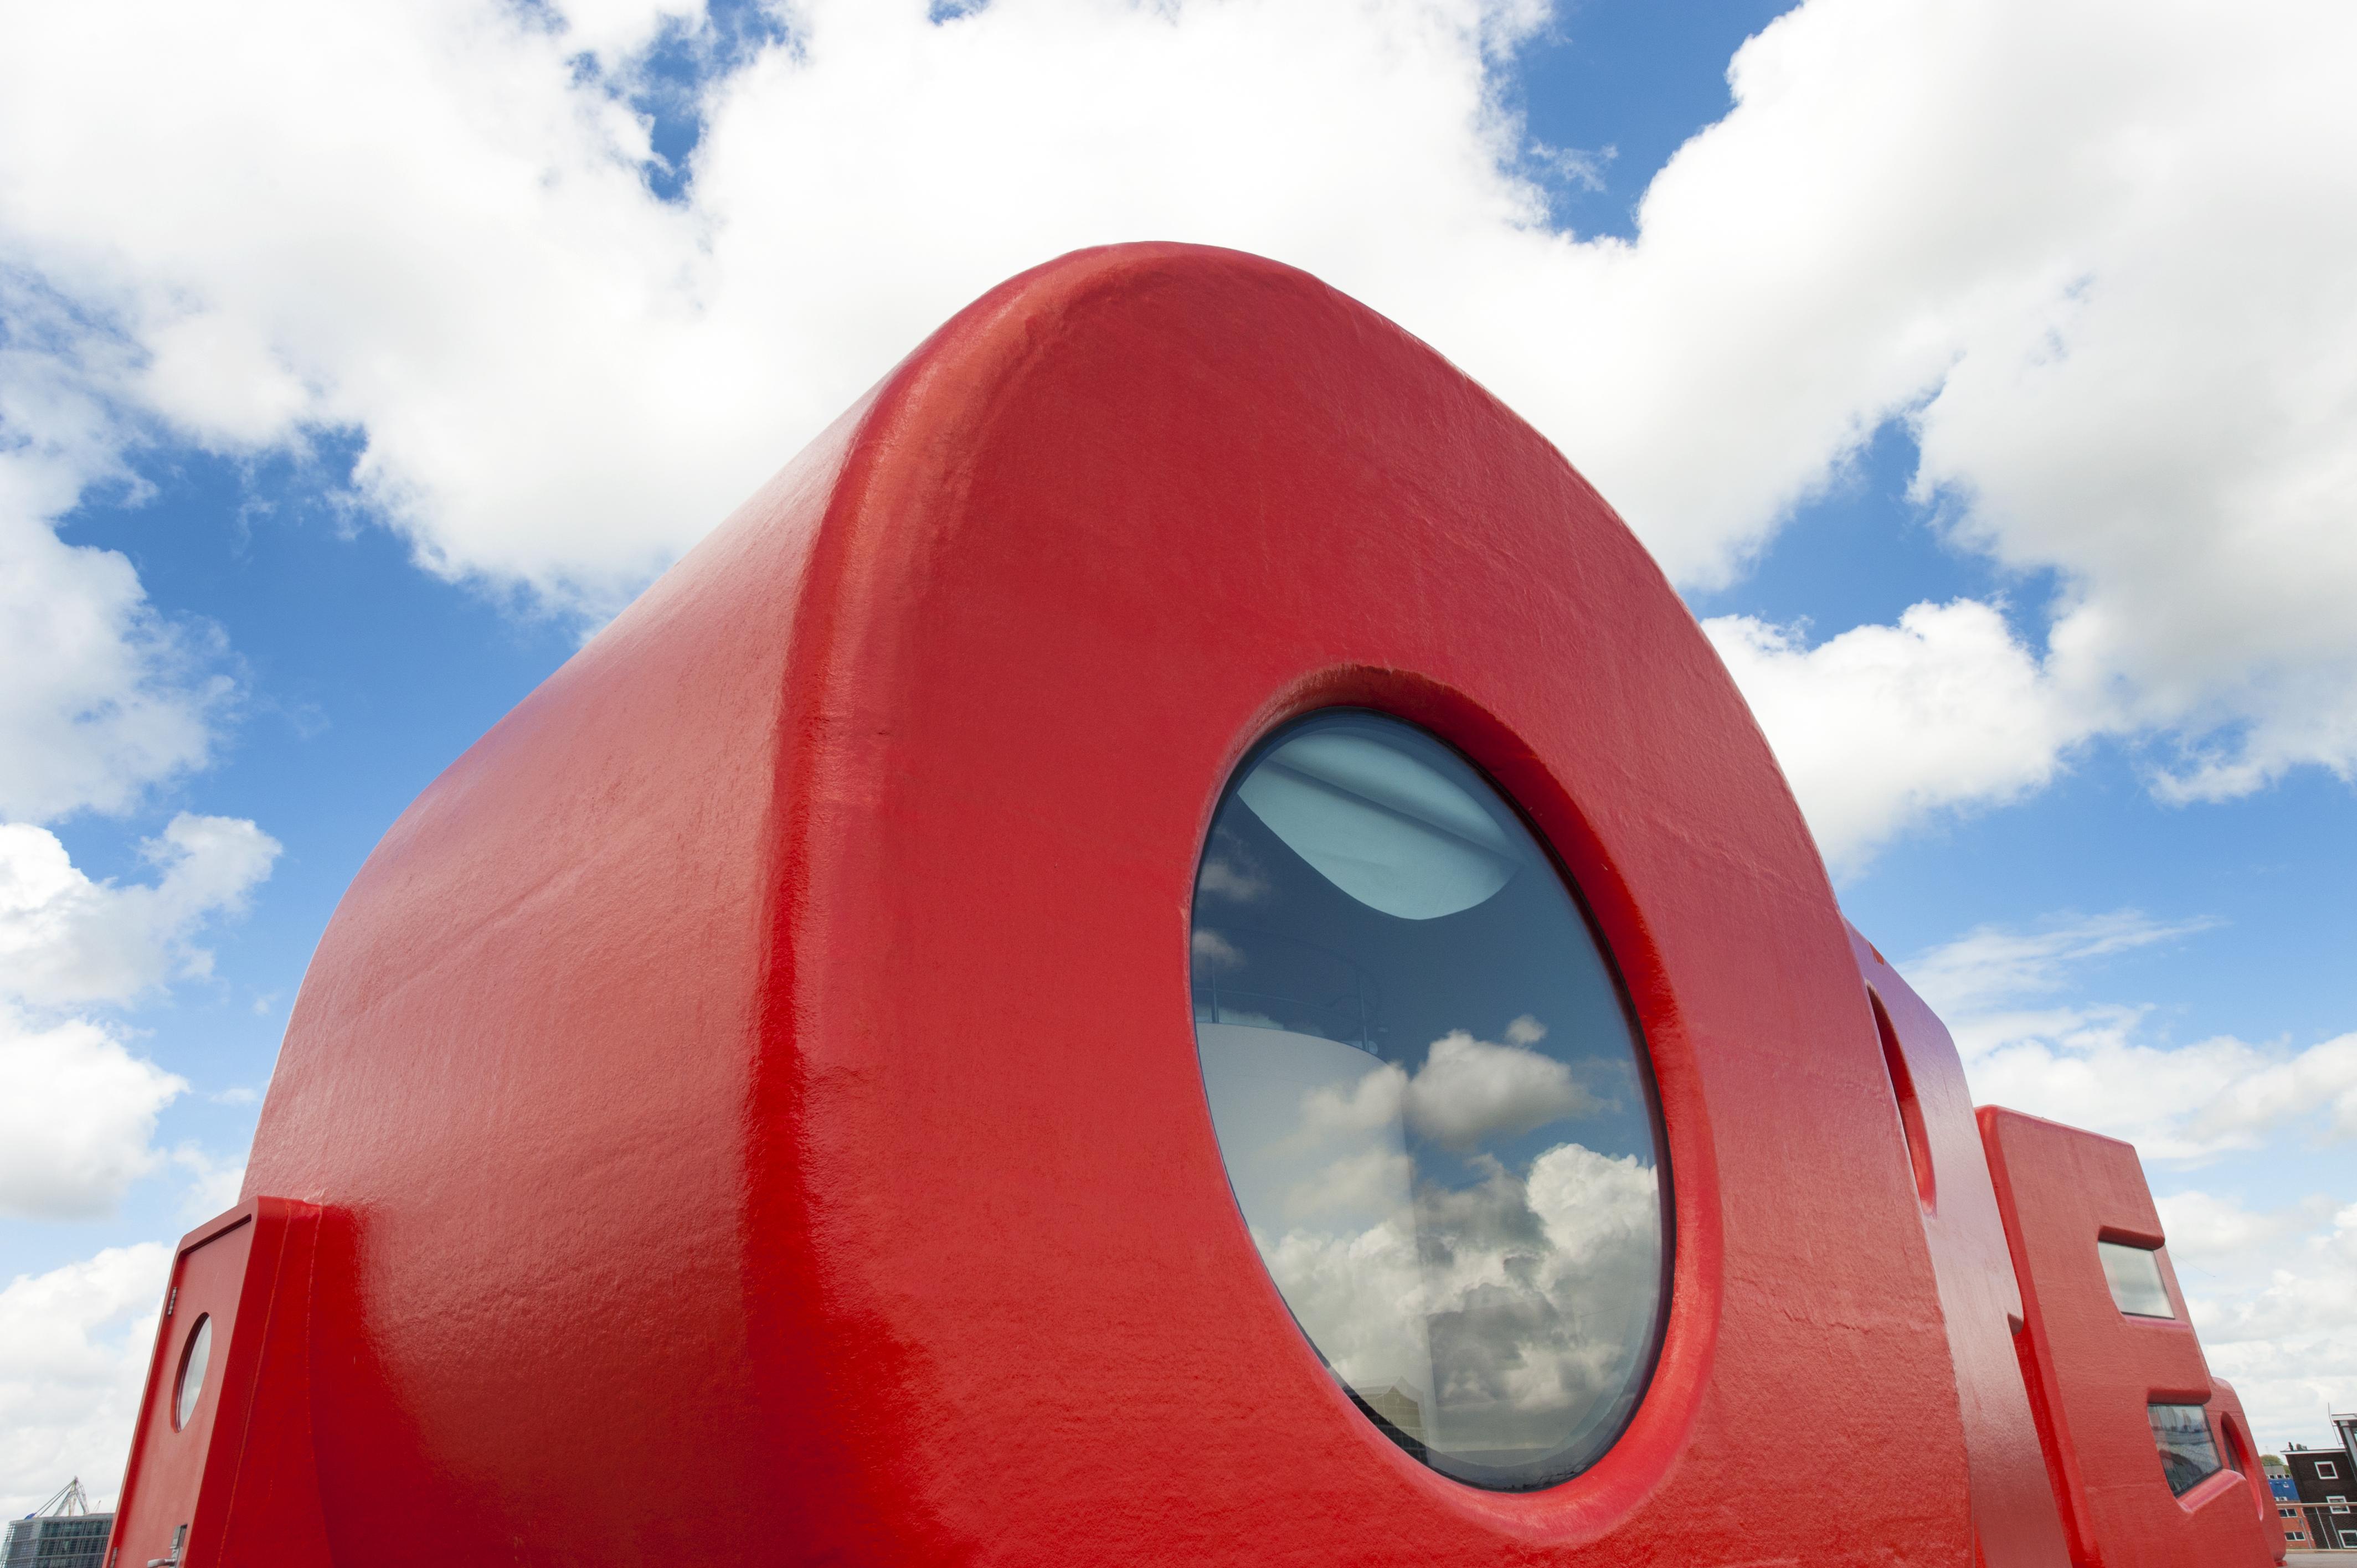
(760, 1075)
(2091, 1368)
(2236, 1446)
(234, 1484)
(2014, 1515)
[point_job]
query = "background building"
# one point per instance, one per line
(60, 1533)
(2325, 1481)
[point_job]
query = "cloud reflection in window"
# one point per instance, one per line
(1420, 1068)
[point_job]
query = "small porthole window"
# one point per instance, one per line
(1434, 1104)
(2133, 1275)
(191, 1381)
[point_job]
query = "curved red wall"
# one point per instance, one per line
(2241, 1452)
(755, 1087)
(2014, 1515)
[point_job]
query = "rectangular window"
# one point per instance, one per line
(2348, 1538)
(2133, 1275)
(2188, 1453)
(2325, 1472)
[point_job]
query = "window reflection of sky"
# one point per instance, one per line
(2188, 1453)
(1431, 1101)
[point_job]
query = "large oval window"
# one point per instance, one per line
(1436, 1110)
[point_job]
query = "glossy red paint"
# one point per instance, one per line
(233, 1484)
(2014, 1516)
(2091, 1370)
(759, 1076)
(2236, 1446)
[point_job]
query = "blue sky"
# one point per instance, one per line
(2100, 812)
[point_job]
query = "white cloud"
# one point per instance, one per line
(1365, 1180)
(103, 697)
(74, 1344)
(1885, 725)
(2268, 1288)
(1470, 1089)
(1990, 964)
(1371, 1100)
(1466, 1090)
(213, 1183)
(2098, 269)
(2211, 1236)
(1519, 1302)
(77, 1122)
(66, 939)
(2091, 1064)
(2269, 1292)
(2190, 1103)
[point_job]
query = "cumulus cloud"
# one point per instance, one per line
(105, 697)
(1369, 1179)
(78, 1123)
(2097, 273)
(1468, 1090)
(74, 1344)
(1511, 1310)
(1882, 727)
(77, 1120)
(65, 938)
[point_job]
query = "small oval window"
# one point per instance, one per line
(1434, 1104)
(192, 1371)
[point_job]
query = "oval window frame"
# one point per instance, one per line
(184, 1397)
(1658, 1350)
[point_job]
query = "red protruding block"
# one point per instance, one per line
(220, 1467)
(2096, 1363)
(2015, 1523)
(2242, 1453)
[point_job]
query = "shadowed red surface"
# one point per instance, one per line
(2091, 1370)
(234, 1484)
(2013, 1502)
(757, 1080)
(2241, 1451)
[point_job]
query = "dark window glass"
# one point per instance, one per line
(2188, 1453)
(1434, 1104)
(2133, 1275)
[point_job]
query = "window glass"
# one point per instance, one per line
(2133, 1275)
(2188, 1454)
(1436, 1110)
(192, 1371)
